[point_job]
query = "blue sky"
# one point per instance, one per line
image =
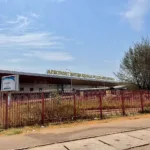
(86, 36)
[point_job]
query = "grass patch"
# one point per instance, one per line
(146, 110)
(52, 127)
(1, 130)
(11, 131)
(15, 131)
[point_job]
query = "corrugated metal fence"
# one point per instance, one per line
(39, 108)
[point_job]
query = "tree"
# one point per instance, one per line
(135, 66)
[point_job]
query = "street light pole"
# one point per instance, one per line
(70, 79)
(104, 81)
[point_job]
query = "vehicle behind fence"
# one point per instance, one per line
(40, 108)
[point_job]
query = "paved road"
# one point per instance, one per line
(135, 140)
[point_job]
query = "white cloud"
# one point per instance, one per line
(50, 56)
(18, 25)
(15, 60)
(38, 44)
(136, 13)
(19, 33)
(18, 20)
(22, 23)
(34, 15)
(28, 40)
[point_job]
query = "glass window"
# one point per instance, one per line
(40, 89)
(31, 89)
(21, 89)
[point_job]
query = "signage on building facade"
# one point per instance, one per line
(10, 83)
(65, 73)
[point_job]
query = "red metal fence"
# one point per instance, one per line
(39, 108)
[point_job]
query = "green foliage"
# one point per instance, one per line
(135, 66)
(13, 132)
(146, 110)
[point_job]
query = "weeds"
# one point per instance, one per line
(12, 131)
(59, 109)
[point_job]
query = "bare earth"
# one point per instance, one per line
(123, 133)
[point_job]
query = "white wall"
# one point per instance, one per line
(77, 87)
(49, 87)
(45, 87)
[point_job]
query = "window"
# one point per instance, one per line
(31, 89)
(21, 89)
(40, 89)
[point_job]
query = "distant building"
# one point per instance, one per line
(34, 82)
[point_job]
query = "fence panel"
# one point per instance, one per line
(58, 107)
(132, 102)
(24, 109)
(112, 105)
(39, 108)
(146, 101)
(87, 105)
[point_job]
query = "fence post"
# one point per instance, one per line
(100, 106)
(6, 113)
(43, 114)
(74, 97)
(123, 106)
(141, 97)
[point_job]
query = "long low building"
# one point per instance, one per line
(46, 82)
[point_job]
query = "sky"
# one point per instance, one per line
(85, 36)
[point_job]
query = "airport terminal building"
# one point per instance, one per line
(35, 82)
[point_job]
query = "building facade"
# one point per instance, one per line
(33, 82)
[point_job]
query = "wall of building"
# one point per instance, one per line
(27, 87)
(68, 87)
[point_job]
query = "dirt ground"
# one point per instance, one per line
(61, 127)
(83, 124)
(37, 136)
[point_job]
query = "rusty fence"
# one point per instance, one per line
(39, 108)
